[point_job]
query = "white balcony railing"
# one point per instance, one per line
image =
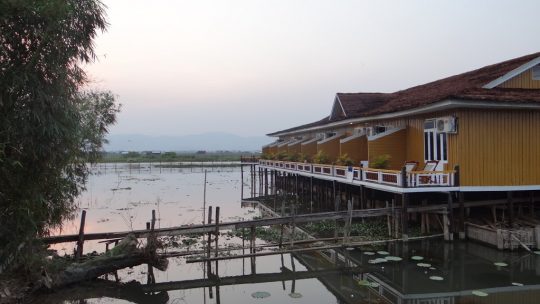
(394, 178)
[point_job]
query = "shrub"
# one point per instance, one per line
(344, 160)
(281, 155)
(293, 157)
(380, 162)
(321, 158)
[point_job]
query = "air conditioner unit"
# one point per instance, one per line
(446, 125)
(359, 131)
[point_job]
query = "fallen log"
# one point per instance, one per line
(125, 254)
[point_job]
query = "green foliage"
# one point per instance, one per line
(304, 158)
(380, 162)
(267, 156)
(293, 157)
(321, 158)
(344, 160)
(371, 229)
(281, 155)
(49, 128)
(131, 155)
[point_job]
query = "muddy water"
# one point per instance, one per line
(121, 198)
(429, 271)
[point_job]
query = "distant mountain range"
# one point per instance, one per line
(206, 141)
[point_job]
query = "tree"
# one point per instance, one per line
(49, 127)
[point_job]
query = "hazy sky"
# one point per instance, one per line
(252, 67)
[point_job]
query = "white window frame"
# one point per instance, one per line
(438, 149)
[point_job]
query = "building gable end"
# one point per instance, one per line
(512, 74)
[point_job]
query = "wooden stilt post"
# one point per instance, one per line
(80, 242)
(204, 199)
(531, 202)
(293, 225)
(461, 197)
(336, 208)
(446, 229)
(209, 242)
(252, 250)
(241, 182)
(405, 217)
(216, 233)
(388, 221)
(423, 219)
(451, 215)
(252, 240)
(510, 204)
(347, 229)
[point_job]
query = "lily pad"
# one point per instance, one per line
(426, 265)
(377, 261)
(479, 293)
(432, 268)
(436, 278)
(295, 295)
(364, 283)
(393, 258)
(383, 252)
(500, 264)
(369, 253)
(368, 283)
(260, 294)
(537, 252)
(517, 284)
(349, 248)
(417, 258)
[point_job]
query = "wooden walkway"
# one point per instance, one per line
(211, 228)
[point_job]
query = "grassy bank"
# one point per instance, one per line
(156, 157)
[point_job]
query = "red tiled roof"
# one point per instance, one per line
(356, 104)
(501, 95)
(452, 86)
(466, 86)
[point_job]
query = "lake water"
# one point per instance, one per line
(121, 197)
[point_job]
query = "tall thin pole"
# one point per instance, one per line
(204, 199)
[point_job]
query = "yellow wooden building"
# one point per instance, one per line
(484, 124)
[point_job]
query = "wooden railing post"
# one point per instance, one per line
(456, 175)
(404, 177)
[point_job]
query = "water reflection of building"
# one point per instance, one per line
(463, 267)
(462, 143)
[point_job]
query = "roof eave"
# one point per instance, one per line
(446, 104)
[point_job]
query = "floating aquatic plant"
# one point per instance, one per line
(382, 252)
(260, 294)
(426, 265)
(295, 295)
(368, 283)
(500, 264)
(377, 261)
(417, 258)
(517, 284)
(393, 258)
(479, 293)
(436, 278)
(369, 253)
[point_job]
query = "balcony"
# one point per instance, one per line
(394, 178)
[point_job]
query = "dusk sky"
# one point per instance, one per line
(252, 67)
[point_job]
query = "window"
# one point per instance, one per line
(536, 72)
(435, 144)
(379, 129)
(330, 134)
